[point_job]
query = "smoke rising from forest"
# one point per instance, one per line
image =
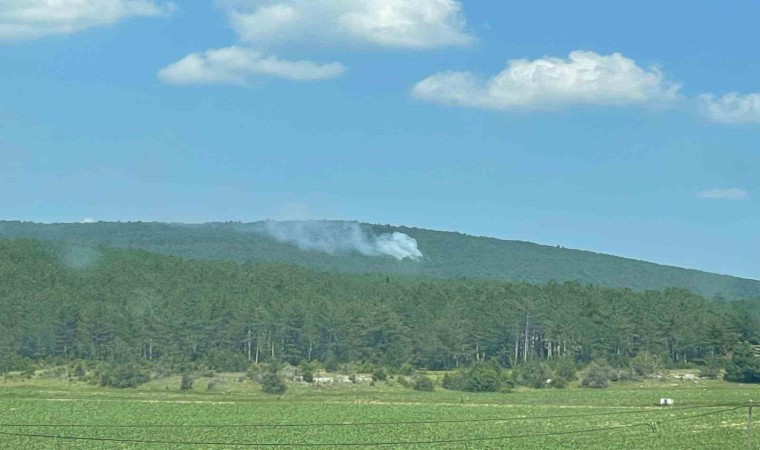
(343, 237)
(80, 258)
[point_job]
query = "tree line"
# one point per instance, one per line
(67, 302)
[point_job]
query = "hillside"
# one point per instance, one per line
(445, 254)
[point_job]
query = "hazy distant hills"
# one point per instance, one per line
(363, 248)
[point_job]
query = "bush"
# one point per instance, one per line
(744, 366)
(257, 371)
(598, 375)
(534, 373)
(406, 369)
(226, 360)
(712, 368)
(564, 369)
(454, 381)
(307, 371)
(423, 383)
(379, 375)
(645, 364)
(79, 371)
(271, 383)
(478, 378)
(187, 382)
(124, 375)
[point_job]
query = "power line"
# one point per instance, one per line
(379, 423)
(365, 444)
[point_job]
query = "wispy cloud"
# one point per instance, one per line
(731, 108)
(237, 65)
(30, 19)
(724, 194)
(583, 78)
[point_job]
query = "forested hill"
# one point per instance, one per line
(67, 301)
(446, 254)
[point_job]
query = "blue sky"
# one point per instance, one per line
(624, 129)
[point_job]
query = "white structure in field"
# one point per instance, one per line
(666, 402)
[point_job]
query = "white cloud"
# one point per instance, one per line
(413, 24)
(29, 19)
(88, 220)
(724, 194)
(262, 24)
(237, 65)
(584, 78)
(732, 108)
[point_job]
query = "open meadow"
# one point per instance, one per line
(50, 413)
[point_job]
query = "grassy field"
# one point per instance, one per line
(237, 415)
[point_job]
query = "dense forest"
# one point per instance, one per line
(70, 301)
(446, 255)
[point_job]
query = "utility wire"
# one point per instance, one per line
(381, 423)
(364, 444)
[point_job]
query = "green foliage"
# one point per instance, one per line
(598, 375)
(565, 370)
(744, 365)
(226, 360)
(271, 383)
(379, 374)
(645, 364)
(478, 378)
(449, 255)
(123, 375)
(182, 315)
(423, 383)
(712, 368)
(187, 382)
(534, 373)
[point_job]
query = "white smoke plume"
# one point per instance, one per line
(343, 237)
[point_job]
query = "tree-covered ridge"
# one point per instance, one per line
(446, 255)
(60, 300)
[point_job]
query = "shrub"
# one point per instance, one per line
(187, 382)
(478, 378)
(226, 360)
(645, 364)
(406, 369)
(744, 366)
(565, 369)
(712, 368)
(454, 381)
(423, 383)
(271, 383)
(380, 375)
(332, 365)
(598, 375)
(78, 371)
(124, 375)
(534, 373)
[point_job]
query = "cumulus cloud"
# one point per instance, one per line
(732, 108)
(237, 65)
(29, 19)
(584, 78)
(265, 24)
(724, 194)
(414, 24)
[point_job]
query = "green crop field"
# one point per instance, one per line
(54, 414)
